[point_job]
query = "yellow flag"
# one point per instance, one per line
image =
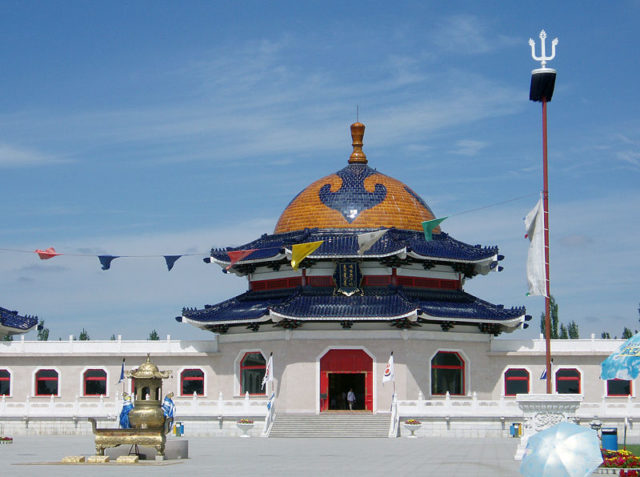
(301, 250)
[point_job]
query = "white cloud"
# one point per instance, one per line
(11, 156)
(468, 147)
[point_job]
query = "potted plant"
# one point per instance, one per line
(245, 425)
(412, 425)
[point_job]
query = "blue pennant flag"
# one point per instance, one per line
(171, 259)
(121, 372)
(105, 261)
(544, 374)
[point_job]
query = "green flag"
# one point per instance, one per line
(428, 227)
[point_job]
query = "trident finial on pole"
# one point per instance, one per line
(543, 58)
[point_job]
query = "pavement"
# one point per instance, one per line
(233, 456)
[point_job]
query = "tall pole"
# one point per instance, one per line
(542, 85)
(545, 204)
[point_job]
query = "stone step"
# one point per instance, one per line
(331, 425)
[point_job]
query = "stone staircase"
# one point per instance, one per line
(329, 424)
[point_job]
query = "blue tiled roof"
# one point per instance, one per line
(249, 306)
(341, 243)
(461, 305)
(377, 303)
(11, 319)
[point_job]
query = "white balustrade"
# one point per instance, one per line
(465, 407)
(102, 408)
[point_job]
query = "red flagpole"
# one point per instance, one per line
(545, 203)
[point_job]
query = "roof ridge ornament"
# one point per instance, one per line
(357, 133)
(543, 58)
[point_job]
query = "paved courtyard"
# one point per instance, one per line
(304, 457)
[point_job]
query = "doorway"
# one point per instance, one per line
(339, 386)
(341, 369)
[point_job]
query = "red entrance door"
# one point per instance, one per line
(348, 361)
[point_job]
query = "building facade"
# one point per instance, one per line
(358, 269)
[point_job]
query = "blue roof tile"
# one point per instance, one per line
(377, 303)
(11, 319)
(339, 243)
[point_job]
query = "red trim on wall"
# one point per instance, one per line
(93, 378)
(199, 378)
(367, 281)
(508, 378)
(275, 283)
(461, 367)
(346, 361)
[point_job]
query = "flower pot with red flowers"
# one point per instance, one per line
(412, 425)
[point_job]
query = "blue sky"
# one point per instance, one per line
(153, 128)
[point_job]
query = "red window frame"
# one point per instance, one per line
(508, 379)
(577, 377)
(48, 378)
(5, 377)
(243, 367)
(184, 378)
(461, 367)
(86, 378)
(630, 393)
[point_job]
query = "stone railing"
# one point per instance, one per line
(101, 408)
(465, 407)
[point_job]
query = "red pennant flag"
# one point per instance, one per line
(47, 254)
(238, 255)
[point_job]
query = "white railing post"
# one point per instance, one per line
(395, 417)
(270, 417)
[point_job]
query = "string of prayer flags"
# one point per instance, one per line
(368, 240)
(429, 225)
(47, 254)
(171, 260)
(237, 255)
(300, 251)
(105, 261)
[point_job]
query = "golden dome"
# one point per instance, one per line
(148, 370)
(355, 197)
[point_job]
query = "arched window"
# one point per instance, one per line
(5, 382)
(46, 382)
(568, 381)
(447, 373)
(516, 381)
(95, 382)
(615, 387)
(252, 369)
(192, 381)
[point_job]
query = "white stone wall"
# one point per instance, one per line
(296, 377)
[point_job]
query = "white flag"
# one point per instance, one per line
(268, 372)
(536, 270)
(389, 371)
(368, 240)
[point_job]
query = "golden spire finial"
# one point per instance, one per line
(357, 133)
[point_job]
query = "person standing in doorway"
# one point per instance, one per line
(351, 399)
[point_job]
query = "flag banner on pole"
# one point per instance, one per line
(389, 371)
(171, 260)
(237, 255)
(429, 225)
(268, 372)
(47, 254)
(368, 240)
(105, 261)
(544, 374)
(121, 373)
(536, 271)
(300, 251)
